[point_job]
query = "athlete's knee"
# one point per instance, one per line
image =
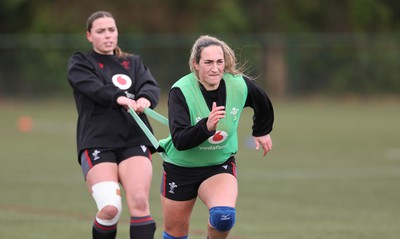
(139, 202)
(222, 218)
(168, 236)
(108, 212)
(108, 201)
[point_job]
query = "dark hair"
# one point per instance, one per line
(89, 24)
(94, 16)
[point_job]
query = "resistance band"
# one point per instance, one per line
(145, 129)
(156, 116)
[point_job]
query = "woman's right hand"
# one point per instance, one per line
(217, 113)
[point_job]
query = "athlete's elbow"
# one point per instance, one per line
(179, 145)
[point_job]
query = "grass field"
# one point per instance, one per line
(334, 173)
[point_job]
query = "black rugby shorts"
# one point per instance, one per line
(182, 183)
(93, 156)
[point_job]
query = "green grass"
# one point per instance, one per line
(334, 173)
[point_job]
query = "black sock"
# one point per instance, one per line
(103, 232)
(142, 227)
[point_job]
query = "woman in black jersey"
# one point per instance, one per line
(112, 149)
(204, 109)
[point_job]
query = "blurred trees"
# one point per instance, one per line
(188, 16)
(222, 16)
(271, 27)
(15, 15)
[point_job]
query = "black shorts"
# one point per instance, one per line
(182, 183)
(93, 156)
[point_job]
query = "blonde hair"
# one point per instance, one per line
(231, 66)
(89, 24)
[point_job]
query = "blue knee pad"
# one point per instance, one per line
(168, 236)
(222, 218)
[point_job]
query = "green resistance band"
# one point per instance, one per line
(153, 114)
(146, 130)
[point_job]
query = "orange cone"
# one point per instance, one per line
(25, 124)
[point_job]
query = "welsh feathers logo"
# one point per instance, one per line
(122, 81)
(218, 137)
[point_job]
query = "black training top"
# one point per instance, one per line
(185, 137)
(97, 81)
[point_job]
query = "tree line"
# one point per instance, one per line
(298, 46)
(188, 16)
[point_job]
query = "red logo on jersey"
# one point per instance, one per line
(126, 64)
(122, 81)
(218, 137)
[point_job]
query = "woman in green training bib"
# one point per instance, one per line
(204, 110)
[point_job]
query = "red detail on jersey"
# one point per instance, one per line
(218, 136)
(121, 80)
(101, 65)
(125, 64)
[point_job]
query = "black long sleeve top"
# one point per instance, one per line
(101, 121)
